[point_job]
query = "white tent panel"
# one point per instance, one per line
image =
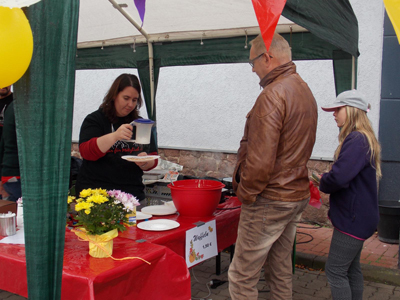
(101, 24)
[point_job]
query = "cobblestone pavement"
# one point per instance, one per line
(307, 285)
(316, 240)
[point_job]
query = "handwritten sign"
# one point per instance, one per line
(201, 243)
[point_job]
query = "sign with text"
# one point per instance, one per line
(201, 243)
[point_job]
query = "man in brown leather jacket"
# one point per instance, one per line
(271, 177)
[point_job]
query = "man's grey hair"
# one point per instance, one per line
(279, 48)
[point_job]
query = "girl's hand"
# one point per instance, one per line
(315, 179)
(124, 132)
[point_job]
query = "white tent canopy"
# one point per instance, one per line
(101, 24)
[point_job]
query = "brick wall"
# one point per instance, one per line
(220, 165)
(200, 164)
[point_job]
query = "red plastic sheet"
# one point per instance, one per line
(85, 277)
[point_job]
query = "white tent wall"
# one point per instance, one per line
(204, 107)
(213, 101)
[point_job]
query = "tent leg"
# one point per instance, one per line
(353, 72)
(151, 71)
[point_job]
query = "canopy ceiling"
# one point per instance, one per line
(168, 20)
(100, 24)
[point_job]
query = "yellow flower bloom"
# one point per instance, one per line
(99, 199)
(99, 212)
(71, 199)
(83, 205)
(102, 192)
(85, 193)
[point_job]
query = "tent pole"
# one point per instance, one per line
(353, 72)
(150, 46)
(151, 70)
(130, 19)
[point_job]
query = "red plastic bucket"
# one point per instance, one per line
(196, 197)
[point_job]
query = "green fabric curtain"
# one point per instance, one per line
(305, 46)
(43, 108)
(111, 57)
(144, 75)
(332, 21)
(342, 67)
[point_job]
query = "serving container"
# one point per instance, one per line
(196, 197)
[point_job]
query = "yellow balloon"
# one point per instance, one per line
(16, 45)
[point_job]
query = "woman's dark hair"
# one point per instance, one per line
(119, 84)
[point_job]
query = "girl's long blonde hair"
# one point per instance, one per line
(357, 120)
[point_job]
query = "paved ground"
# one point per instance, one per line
(316, 240)
(307, 285)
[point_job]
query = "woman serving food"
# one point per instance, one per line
(105, 137)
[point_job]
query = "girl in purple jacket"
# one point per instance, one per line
(352, 185)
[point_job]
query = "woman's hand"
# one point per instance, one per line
(146, 164)
(105, 142)
(124, 132)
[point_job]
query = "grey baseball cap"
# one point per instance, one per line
(348, 98)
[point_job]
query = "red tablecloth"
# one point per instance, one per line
(226, 217)
(85, 277)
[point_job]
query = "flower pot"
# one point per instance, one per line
(99, 245)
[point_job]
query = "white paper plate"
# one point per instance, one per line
(148, 181)
(159, 210)
(158, 225)
(142, 216)
(135, 158)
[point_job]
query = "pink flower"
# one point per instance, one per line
(128, 201)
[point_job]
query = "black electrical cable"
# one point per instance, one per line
(216, 283)
(305, 242)
(311, 223)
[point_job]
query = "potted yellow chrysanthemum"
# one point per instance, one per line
(101, 214)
